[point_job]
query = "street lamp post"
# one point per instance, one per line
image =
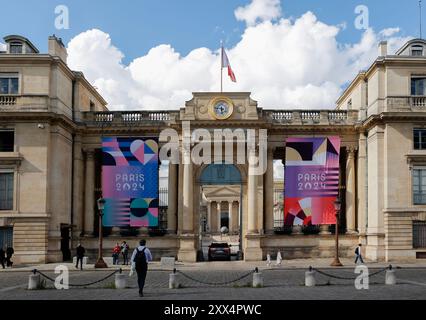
(100, 263)
(336, 262)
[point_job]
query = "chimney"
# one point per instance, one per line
(383, 48)
(57, 48)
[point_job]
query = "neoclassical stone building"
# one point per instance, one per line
(52, 122)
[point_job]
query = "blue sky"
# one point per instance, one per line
(154, 54)
(137, 26)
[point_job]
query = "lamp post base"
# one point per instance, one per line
(336, 263)
(100, 263)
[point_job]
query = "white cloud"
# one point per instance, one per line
(286, 64)
(258, 11)
(3, 47)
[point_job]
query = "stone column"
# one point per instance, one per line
(230, 215)
(350, 190)
(188, 187)
(172, 198)
(219, 213)
(236, 217)
(209, 216)
(252, 198)
(78, 192)
(362, 185)
(213, 218)
(89, 196)
(269, 193)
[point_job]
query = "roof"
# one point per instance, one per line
(409, 43)
(12, 37)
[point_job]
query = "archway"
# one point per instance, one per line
(220, 205)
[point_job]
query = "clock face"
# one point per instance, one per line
(221, 109)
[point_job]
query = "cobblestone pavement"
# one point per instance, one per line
(279, 284)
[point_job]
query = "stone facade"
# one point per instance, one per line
(58, 120)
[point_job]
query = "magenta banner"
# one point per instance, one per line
(130, 181)
(311, 180)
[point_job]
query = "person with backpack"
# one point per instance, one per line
(358, 255)
(140, 258)
(125, 253)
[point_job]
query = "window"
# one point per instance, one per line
(16, 48)
(419, 186)
(349, 106)
(7, 141)
(6, 190)
(416, 51)
(9, 83)
(419, 139)
(92, 106)
(419, 234)
(224, 219)
(418, 86)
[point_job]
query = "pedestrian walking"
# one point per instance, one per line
(358, 254)
(80, 255)
(116, 253)
(125, 252)
(9, 254)
(2, 257)
(140, 258)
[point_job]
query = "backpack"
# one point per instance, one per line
(356, 250)
(140, 259)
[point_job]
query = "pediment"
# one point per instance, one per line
(221, 192)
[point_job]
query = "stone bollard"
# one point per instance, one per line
(33, 281)
(257, 279)
(390, 276)
(120, 280)
(173, 280)
(310, 278)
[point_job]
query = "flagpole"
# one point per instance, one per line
(221, 68)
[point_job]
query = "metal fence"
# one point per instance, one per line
(419, 234)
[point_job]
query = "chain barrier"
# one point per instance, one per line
(349, 278)
(78, 285)
(216, 283)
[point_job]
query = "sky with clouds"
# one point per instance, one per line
(285, 62)
(154, 54)
(289, 54)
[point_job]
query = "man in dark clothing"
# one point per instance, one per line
(80, 255)
(125, 252)
(9, 253)
(2, 257)
(140, 258)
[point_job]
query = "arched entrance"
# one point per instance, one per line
(220, 206)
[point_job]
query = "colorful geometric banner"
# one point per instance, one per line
(311, 180)
(130, 181)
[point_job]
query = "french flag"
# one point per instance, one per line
(226, 64)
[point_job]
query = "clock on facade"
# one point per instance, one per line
(221, 108)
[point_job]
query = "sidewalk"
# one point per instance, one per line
(228, 265)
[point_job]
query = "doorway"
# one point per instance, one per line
(65, 243)
(220, 206)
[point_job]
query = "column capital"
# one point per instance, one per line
(90, 152)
